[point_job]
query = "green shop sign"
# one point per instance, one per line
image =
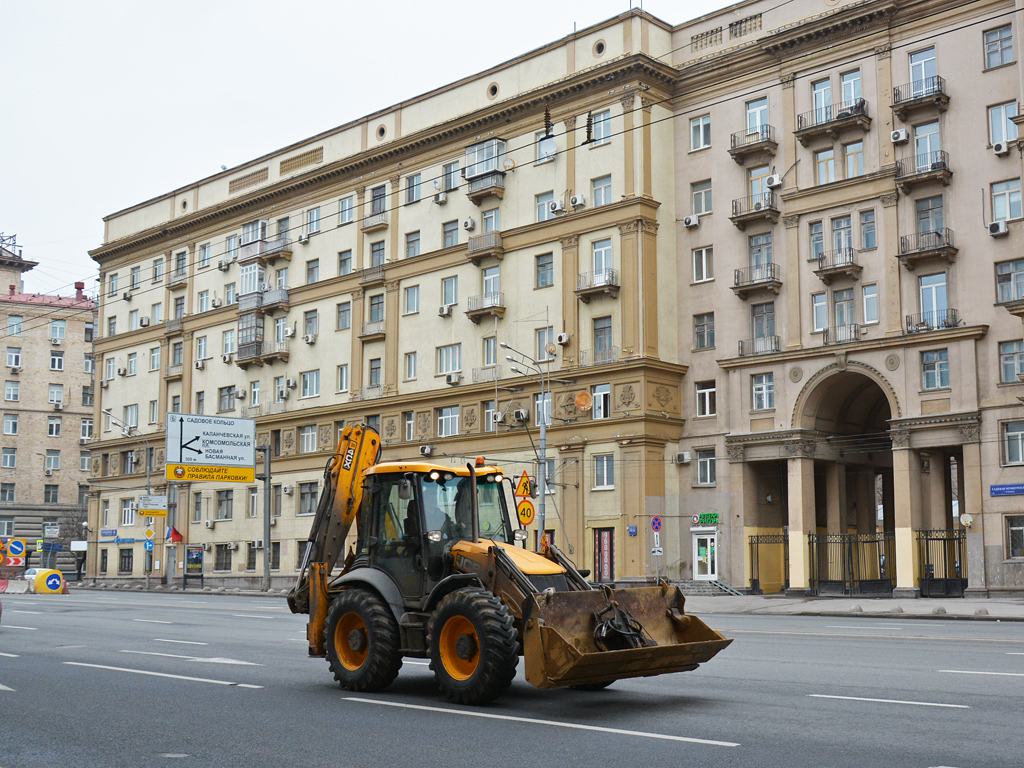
(708, 518)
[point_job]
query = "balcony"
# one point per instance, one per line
(275, 350)
(177, 278)
(760, 277)
(373, 392)
(249, 353)
(172, 372)
(925, 246)
(482, 246)
(832, 120)
(481, 187)
(929, 93)
(936, 320)
(486, 305)
(372, 275)
(174, 325)
(488, 373)
(762, 207)
(922, 169)
(605, 356)
(265, 300)
(374, 222)
(278, 406)
(762, 345)
(841, 334)
(760, 141)
(252, 411)
(266, 252)
(840, 263)
(603, 281)
(373, 331)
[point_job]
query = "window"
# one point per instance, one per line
(204, 256)
(1000, 126)
(310, 383)
(343, 378)
(602, 127)
(378, 199)
(1010, 280)
(6, 526)
(485, 157)
(88, 363)
(14, 325)
(601, 395)
(998, 47)
(57, 361)
(9, 458)
(226, 398)
(14, 356)
(867, 230)
(825, 165)
(375, 369)
(1006, 200)
(50, 494)
(111, 326)
(133, 320)
(158, 270)
(757, 117)
(202, 351)
(254, 393)
(177, 354)
(705, 466)
(53, 425)
(842, 234)
(112, 283)
(604, 471)
(490, 351)
(412, 244)
(412, 188)
(448, 421)
(488, 409)
(410, 366)
(547, 149)
(310, 322)
(703, 265)
(344, 315)
(345, 263)
(308, 493)
(935, 369)
(604, 352)
(228, 342)
(701, 195)
(7, 492)
(377, 254)
(1013, 442)
(84, 461)
(307, 439)
(450, 290)
(854, 159)
(282, 278)
(542, 408)
(175, 404)
(377, 308)
(817, 232)
(602, 189)
(450, 176)
(704, 330)
(545, 269)
(543, 202)
(127, 512)
(763, 390)
(312, 221)
(449, 359)
(156, 313)
(602, 261)
(345, 209)
(203, 304)
(312, 271)
(56, 393)
(11, 424)
(11, 392)
(492, 220)
(700, 132)
(87, 396)
(450, 230)
(89, 331)
(545, 336)
(1011, 361)
(821, 95)
(870, 293)
(412, 300)
(850, 82)
(706, 398)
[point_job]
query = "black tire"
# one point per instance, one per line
(362, 641)
(473, 646)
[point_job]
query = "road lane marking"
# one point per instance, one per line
(161, 674)
(415, 661)
(9, 655)
(971, 672)
(1014, 653)
(215, 660)
(888, 701)
(866, 626)
(553, 723)
(152, 621)
(5, 688)
(34, 613)
(251, 616)
(12, 626)
(181, 642)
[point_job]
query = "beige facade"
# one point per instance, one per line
(769, 264)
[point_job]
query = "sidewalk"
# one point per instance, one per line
(983, 609)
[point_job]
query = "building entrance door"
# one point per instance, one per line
(705, 556)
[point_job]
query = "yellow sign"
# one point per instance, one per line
(193, 473)
(149, 533)
(155, 512)
(525, 511)
(523, 487)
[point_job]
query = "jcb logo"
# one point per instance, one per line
(350, 456)
(466, 565)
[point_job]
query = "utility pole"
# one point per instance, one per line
(267, 512)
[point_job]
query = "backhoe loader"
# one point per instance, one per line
(438, 571)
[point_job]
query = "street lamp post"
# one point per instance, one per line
(267, 512)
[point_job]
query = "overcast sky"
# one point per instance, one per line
(111, 102)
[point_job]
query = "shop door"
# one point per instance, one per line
(705, 556)
(604, 554)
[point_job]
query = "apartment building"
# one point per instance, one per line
(47, 413)
(777, 246)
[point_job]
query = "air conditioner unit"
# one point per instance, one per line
(127, 295)
(200, 364)
(122, 371)
(287, 490)
(998, 228)
(452, 378)
(759, 205)
(15, 370)
(521, 415)
(578, 201)
(217, 303)
(774, 181)
(683, 458)
(290, 383)
(223, 266)
(240, 394)
(468, 224)
(497, 417)
(210, 523)
(273, 520)
(55, 341)
(104, 383)
(1001, 148)
(83, 441)
(226, 357)
(58, 406)
(445, 310)
(309, 338)
(48, 472)
(144, 322)
(233, 546)
(426, 450)
(562, 338)
(256, 543)
(556, 206)
(304, 237)
(207, 546)
(900, 136)
(691, 221)
(441, 198)
(289, 332)
(283, 394)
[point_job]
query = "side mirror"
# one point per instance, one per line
(434, 536)
(520, 534)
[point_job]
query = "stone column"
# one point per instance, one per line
(743, 489)
(801, 517)
(570, 156)
(630, 139)
(891, 305)
(972, 497)
(835, 497)
(791, 247)
(907, 491)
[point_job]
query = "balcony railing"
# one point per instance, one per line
(486, 301)
(761, 206)
(174, 370)
(833, 113)
(760, 345)
(589, 284)
(487, 244)
(375, 221)
(491, 183)
(372, 329)
(372, 275)
(929, 91)
(928, 166)
(177, 277)
(276, 298)
(839, 262)
(933, 321)
(373, 392)
(265, 251)
(841, 334)
(249, 351)
(174, 325)
(605, 356)
(760, 277)
(249, 302)
(761, 139)
(252, 411)
(926, 245)
(488, 373)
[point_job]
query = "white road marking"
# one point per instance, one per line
(1014, 653)
(865, 626)
(553, 723)
(5, 688)
(181, 642)
(416, 661)
(174, 755)
(971, 672)
(161, 674)
(9, 655)
(12, 626)
(64, 647)
(888, 701)
(251, 616)
(34, 613)
(217, 660)
(152, 621)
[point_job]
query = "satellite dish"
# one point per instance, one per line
(966, 519)
(436, 183)
(550, 348)
(584, 402)
(509, 164)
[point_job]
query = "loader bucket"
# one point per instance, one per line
(559, 646)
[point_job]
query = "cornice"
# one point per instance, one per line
(828, 27)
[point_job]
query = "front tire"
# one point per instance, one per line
(473, 646)
(362, 641)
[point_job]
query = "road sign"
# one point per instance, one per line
(3, 546)
(525, 511)
(657, 551)
(39, 545)
(153, 506)
(15, 562)
(16, 547)
(148, 546)
(210, 449)
(655, 523)
(53, 581)
(51, 531)
(149, 533)
(657, 539)
(523, 486)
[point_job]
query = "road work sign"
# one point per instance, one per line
(210, 448)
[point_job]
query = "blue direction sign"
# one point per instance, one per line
(16, 548)
(149, 546)
(1015, 489)
(655, 523)
(53, 581)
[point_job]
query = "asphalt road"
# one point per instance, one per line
(112, 680)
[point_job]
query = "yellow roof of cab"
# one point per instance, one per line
(386, 467)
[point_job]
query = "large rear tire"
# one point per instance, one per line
(362, 641)
(473, 646)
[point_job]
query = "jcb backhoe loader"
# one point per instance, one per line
(438, 572)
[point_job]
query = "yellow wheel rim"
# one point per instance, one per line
(351, 641)
(460, 647)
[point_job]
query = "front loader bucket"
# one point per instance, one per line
(559, 646)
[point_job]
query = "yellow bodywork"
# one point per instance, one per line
(530, 563)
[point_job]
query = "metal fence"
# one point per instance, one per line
(853, 563)
(769, 563)
(943, 557)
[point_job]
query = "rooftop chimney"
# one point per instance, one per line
(13, 290)
(80, 291)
